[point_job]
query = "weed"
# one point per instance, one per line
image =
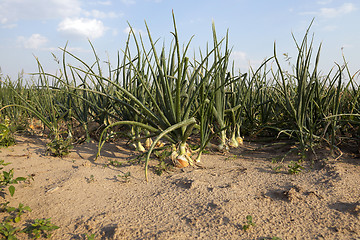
(60, 147)
(90, 236)
(15, 213)
(249, 223)
(6, 137)
(7, 178)
(277, 169)
(8, 231)
(276, 159)
(41, 228)
(161, 168)
(115, 163)
(162, 155)
(30, 178)
(90, 179)
(125, 177)
(3, 206)
(231, 157)
(193, 147)
(294, 167)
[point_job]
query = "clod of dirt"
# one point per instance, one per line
(292, 195)
(184, 183)
(356, 209)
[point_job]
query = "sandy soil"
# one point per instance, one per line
(210, 201)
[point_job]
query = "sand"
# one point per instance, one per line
(208, 201)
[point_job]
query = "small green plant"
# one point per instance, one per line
(30, 178)
(8, 231)
(162, 154)
(90, 179)
(294, 167)
(125, 177)
(6, 228)
(161, 168)
(6, 137)
(7, 178)
(15, 212)
(231, 157)
(276, 159)
(115, 163)
(41, 228)
(277, 169)
(90, 236)
(273, 238)
(249, 223)
(59, 147)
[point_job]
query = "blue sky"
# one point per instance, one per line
(30, 28)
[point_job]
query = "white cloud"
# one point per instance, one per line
(4, 23)
(347, 46)
(239, 55)
(330, 28)
(100, 14)
(9, 26)
(3, 20)
(35, 41)
(105, 3)
(335, 12)
(82, 27)
(115, 32)
(240, 59)
(344, 9)
(14, 10)
(128, 2)
(69, 49)
(324, 2)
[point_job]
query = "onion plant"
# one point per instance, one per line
(298, 92)
(162, 93)
(310, 99)
(169, 85)
(42, 103)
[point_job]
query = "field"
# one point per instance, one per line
(208, 201)
(167, 146)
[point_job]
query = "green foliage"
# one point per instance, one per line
(6, 137)
(60, 147)
(15, 212)
(90, 179)
(7, 178)
(90, 236)
(277, 169)
(249, 223)
(157, 92)
(41, 228)
(162, 154)
(115, 163)
(162, 167)
(8, 231)
(125, 177)
(294, 167)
